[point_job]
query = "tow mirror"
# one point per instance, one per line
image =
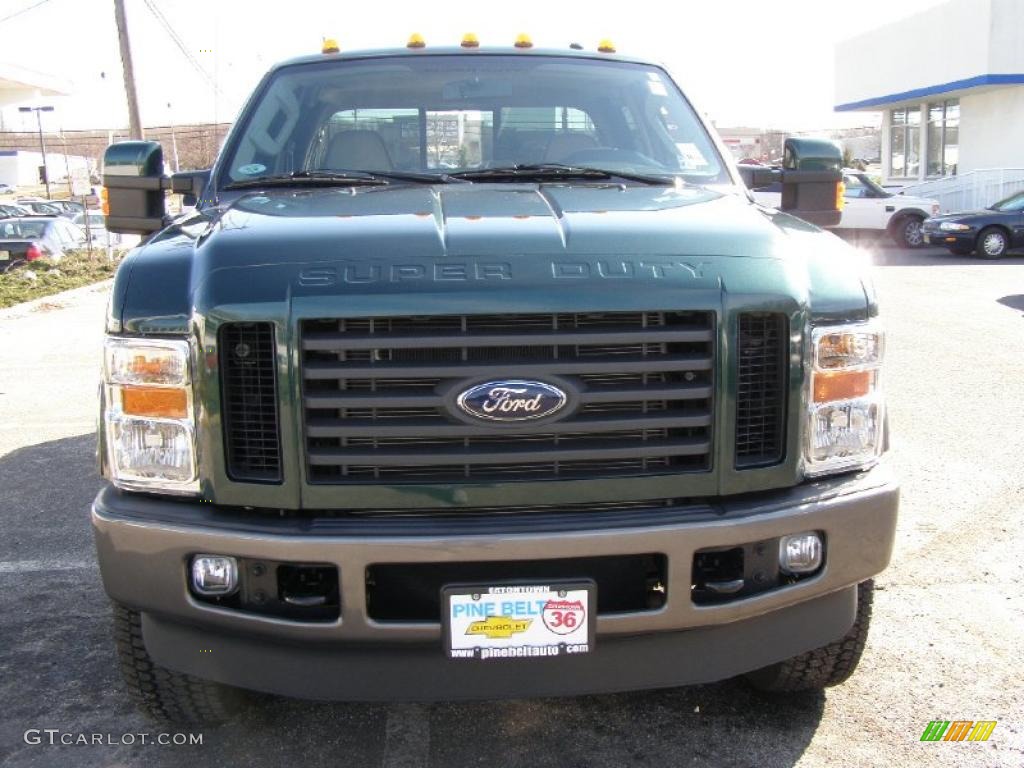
(811, 177)
(133, 174)
(135, 187)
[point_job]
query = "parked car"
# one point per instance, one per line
(68, 208)
(94, 223)
(41, 207)
(869, 207)
(30, 238)
(13, 209)
(990, 232)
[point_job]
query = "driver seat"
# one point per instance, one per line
(567, 143)
(358, 150)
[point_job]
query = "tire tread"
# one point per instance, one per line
(824, 667)
(163, 694)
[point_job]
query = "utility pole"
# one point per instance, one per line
(134, 123)
(174, 138)
(42, 143)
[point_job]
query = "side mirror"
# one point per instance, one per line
(135, 186)
(133, 173)
(812, 180)
(190, 185)
(811, 177)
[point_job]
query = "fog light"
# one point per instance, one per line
(800, 553)
(214, 574)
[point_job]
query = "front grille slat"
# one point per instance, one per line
(411, 458)
(596, 394)
(761, 389)
(249, 401)
(337, 342)
(376, 393)
(630, 363)
(377, 427)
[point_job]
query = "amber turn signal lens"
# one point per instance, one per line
(841, 385)
(158, 402)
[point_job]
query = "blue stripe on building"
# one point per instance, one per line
(932, 90)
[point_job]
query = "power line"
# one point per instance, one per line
(176, 38)
(23, 10)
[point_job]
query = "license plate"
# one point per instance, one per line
(5, 255)
(927, 238)
(519, 621)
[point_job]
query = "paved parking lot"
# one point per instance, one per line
(949, 617)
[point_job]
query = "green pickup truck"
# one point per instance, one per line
(478, 373)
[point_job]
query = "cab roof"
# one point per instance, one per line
(456, 50)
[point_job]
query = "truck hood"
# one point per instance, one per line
(516, 244)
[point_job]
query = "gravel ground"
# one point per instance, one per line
(947, 637)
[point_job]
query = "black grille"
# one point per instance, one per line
(374, 410)
(249, 408)
(761, 392)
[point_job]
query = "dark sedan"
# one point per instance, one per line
(28, 239)
(989, 233)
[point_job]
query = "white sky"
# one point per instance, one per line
(761, 63)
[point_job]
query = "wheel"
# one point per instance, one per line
(907, 233)
(161, 693)
(992, 243)
(823, 667)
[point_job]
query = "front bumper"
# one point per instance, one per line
(943, 239)
(144, 544)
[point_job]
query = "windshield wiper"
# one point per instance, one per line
(543, 171)
(340, 178)
(312, 178)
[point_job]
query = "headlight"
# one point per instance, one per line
(845, 412)
(951, 226)
(149, 417)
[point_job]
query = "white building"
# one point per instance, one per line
(950, 85)
(19, 168)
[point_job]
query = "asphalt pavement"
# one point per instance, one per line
(946, 642)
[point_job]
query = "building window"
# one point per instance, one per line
(905, 142)
(943, 137)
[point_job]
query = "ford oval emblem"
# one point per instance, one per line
(513, 400)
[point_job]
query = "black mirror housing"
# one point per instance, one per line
(133, 175)
(812, 170)
(812, 174)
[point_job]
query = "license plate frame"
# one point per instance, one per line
(519, 620)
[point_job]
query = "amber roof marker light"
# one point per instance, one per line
(329, 45)
(523, 41)
(606, 46)
(469, 40)
(416, 41)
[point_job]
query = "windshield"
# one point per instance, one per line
(22, 229)
(444, 114)
(861, 185)
(1011, 204)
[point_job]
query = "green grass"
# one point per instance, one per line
(73, 271)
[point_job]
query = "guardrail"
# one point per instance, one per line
(974, 189)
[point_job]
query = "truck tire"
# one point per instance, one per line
(822, 667)
(907, 232)
(165, 695)
(993, 243)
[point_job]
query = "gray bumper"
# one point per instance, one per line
(143, 544)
